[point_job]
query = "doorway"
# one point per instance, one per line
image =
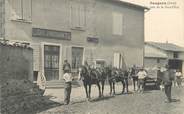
(175, 64)
(51, 62)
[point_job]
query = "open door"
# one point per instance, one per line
(119, 61)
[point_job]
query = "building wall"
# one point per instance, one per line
(55, 15)
(152, 62)
(170, 55)
(150, 49)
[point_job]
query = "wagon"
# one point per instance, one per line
(153, 78)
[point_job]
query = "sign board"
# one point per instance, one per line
(92, 39)
(46, 33)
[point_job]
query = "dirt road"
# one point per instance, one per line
(151, 102)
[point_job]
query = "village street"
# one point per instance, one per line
(151, 102)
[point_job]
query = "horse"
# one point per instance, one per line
(115, 75)
(91, 76)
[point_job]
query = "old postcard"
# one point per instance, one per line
(91, 56)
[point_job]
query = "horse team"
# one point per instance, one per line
(99, 75)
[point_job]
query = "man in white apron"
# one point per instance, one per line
(68, 82)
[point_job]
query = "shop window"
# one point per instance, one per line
(77, 57)
(51, 62)
(21, 10)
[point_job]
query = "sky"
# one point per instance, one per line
(164, 23)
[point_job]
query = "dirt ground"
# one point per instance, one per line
(150, 102)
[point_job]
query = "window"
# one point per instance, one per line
(21, 10)
(175, 55)
(77, 57)
(117, 23)
(78, 15)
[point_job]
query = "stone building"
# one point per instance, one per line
(99, 31)
(160, 54)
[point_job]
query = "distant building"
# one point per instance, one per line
(159, 54)
(99, 31)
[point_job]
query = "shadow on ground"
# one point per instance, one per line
(101, 98)
(130, 92)
(45, 104)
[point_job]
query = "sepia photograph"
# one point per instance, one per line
(91, 57)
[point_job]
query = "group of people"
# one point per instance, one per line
(138, 75)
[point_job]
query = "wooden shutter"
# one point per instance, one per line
(117, 23)
(17, 9)
(27, 7)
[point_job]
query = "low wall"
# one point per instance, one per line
(16, 63)
(18, 94)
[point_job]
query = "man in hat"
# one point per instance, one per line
(134, 76)
(68, 82)
(167, 81)
(141, 79)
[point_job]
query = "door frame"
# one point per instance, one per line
(60, 57)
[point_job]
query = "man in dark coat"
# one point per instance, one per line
(134, 76)
(167, 77)
(126, 76)
(66, 67)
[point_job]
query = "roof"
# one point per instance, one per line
(131, 4)
(166, 46)
(155, 55)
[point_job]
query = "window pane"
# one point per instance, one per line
(47, 61)
(55, 62)
(82, 15)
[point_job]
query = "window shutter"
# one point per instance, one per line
(82, 15)
(16, 9)
(77, 14)
(27, 4)
(117, 23)
(74, 14)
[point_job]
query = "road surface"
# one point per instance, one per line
(150, 102)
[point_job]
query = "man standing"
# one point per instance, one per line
(68, 82)
(141, 79)
(167, 81)
(134, 76)
(126, 76)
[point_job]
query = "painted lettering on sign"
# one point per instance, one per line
(46, 33)
(92, 39)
